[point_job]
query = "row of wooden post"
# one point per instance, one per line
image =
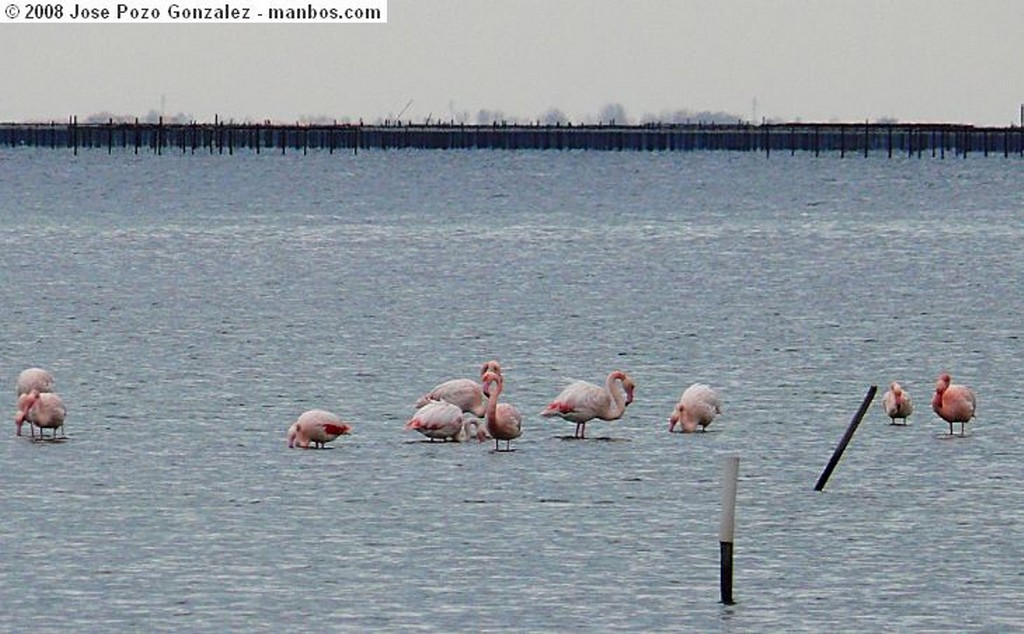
(221, 137)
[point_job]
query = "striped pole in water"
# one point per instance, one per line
(726, 529)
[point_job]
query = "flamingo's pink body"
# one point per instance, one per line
(44, 410)
(32, 379)
(466, 393)
(954, 403)
(897, 403)
(581, 401)
(317, 427)
(698, 406)
(504, 422)
(439, 420)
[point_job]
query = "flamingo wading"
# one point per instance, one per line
(581, 401)
(698, 405)
(316, 427)
(503, 421)
(954, 403)
(897, 403)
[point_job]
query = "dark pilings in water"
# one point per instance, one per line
(816, 138)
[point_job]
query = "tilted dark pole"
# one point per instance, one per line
(838, 453)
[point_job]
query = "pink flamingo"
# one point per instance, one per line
(32, 379)
(954, 403)
(582, 401)
(466, 393)
(698, 405)
(44, 410)
(897, 403)
(440, 420)
(35, 379)
(317, 427)
(504, 422)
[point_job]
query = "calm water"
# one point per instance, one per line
(192, 307)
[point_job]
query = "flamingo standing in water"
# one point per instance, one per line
(698, 405)
(440, 420)
(32, 379)
(897, 403)
(504, 422)
(954, 403)
(44, 410)
(466, 393)
(317, 427)
(582, 401)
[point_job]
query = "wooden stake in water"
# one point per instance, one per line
(838, 453)
(730, 474)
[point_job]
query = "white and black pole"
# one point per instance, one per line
(726, 530)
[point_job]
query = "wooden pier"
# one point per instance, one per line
(219, 137)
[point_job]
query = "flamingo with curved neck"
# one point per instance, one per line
(698, 405)
(503, 421)
(31, 379)
(897, 403)
(467, 394)
(44, 410)
(581, 401)
(316, 427)
(439, 420)
(954, 403)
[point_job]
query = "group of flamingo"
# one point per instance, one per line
(453, 410)
(38, 404)
(953, 402)
(459, 409)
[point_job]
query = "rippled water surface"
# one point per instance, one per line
(191, 307)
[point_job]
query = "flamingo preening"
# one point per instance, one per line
(954, 403)
(897, 403)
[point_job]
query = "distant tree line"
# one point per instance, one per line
(608, 114)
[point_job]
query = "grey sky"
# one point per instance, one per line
(812, 60)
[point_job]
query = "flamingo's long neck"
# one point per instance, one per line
(491, 413)
(618, 398)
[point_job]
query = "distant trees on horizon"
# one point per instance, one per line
(608, 114)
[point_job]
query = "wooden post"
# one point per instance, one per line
(727, 527)
(838, 453)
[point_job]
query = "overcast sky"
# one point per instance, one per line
(808, 60)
